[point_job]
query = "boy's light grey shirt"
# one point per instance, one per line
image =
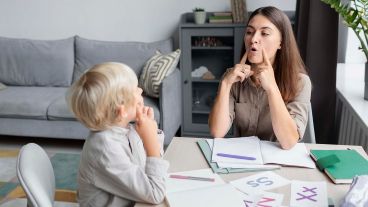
(114, 170)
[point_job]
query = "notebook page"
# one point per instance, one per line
(296, 156)
(235, 149)
(240, 165)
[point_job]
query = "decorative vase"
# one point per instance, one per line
(366, 82)
(200, 17)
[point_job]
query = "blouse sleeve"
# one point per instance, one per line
(117, 175)
(298, 108)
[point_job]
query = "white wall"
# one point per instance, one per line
(353, 54)
(119, 20)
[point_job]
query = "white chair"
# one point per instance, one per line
(309, 136)
(36, 176)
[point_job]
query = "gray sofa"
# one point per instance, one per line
(37, 74)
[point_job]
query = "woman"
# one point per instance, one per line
(267, 94)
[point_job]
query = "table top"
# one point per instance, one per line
(184, 154)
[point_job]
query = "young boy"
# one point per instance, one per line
(120, 163)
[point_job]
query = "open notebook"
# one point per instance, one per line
(191, 192)
(245, 151)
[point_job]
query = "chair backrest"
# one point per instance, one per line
(36, 175)
(309, 136)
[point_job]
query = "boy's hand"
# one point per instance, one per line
(146, 128)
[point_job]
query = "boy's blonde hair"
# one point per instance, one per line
(94, 98)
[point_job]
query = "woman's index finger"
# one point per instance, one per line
(244, 58)
(265, 57)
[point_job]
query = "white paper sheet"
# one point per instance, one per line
(244, 147)
(263, 198)
(296, 156)
(305, 194)
(216, 196)
(259, 182)
(174, 185)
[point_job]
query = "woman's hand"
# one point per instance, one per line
(146, 128)
(266, 75)
(239, 72)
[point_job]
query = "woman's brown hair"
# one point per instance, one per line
(288, 63)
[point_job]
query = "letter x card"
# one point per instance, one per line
(305, 194)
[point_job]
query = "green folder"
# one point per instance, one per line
(206, 150)
(341, 165)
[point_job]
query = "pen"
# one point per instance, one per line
(235, 156)
(192, 178)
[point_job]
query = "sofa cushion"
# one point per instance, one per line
(2, 86)
(27, 102)
(156, 69)
(25, 62)
(134, 54)
(59, 110)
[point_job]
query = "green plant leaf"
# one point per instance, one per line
(355, 16)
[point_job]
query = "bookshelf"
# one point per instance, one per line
(221, 51)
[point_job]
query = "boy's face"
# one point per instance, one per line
(138, 102)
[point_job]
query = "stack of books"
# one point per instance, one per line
(221, 17)
(239, 11)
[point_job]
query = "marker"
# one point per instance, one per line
(192, 178)
(236, 156)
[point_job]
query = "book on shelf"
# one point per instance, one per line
(200, 188)
(340, 165)
(220, 19)
(239, 11)
(222, 14)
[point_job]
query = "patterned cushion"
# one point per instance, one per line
(156, 69)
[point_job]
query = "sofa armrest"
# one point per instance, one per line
(171, 105)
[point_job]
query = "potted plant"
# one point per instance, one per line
(355, 15)
(199, 15)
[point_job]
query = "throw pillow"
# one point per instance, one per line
(2, 86)
(156, 69)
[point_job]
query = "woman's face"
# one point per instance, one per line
(261, 33)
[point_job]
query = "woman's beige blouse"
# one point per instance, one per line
(250, 112)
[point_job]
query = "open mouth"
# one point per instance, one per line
(253, 49)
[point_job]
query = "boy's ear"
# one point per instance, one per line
(121, 111)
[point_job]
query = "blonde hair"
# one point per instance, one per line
(94, 98)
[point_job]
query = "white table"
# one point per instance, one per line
(184, 154)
